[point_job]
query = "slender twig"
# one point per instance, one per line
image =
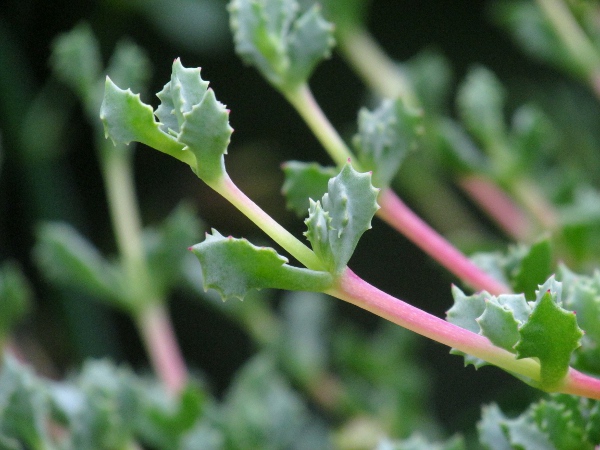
(356, 291)
(151, 317)
(509, 217)
(393, 210)
(398, 215)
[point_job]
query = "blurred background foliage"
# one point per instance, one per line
(50, 172)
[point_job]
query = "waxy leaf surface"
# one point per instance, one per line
(283, 44)
(338, 220)
(384, 137)
(234, 266)
(304, 181)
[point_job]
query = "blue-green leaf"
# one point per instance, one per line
(304, 181)
(234, 266)
(282, 44)
(551, 334)
(336, 223)
(385, 135)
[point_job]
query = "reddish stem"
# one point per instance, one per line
(395, 212)
(160, 342)
(499, 206)
(355, 290)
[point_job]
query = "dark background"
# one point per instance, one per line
(267, 132)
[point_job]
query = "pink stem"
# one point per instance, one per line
(355, 290)
(577, 383)
(499, 206)
(395, 212)
(160, 342)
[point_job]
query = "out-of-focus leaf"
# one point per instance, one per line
(385, 135)
(64, 256)
(303, 346)
(15, 297)
(304, 181)
(166, 247)
(285, 47)
(262, 411)
(24, 406)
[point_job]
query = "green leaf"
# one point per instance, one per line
(126, 118)
(560, 418)
(551, 334)
(24, 405)
(304, 181)
(464, 312)
(346, 15)
(336, 223)
(194, 126)
(524, 434)
(64, 256)
(165, 421)
(418, 442)
(457, 149)
(530, 29)
(166, 247)
(492, 434)
(430, 74)
(303, 347)
(15, 297)
(384, 137)
(234, 266)
(77, 61)
(284, 46)
(480, 103)
(262, 411)
(498, 322)
(129, 66)
(535, 267)
(582, 294)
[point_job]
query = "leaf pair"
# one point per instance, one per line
(335, 224)
(542, 329)
(282, 44)
(192, 125)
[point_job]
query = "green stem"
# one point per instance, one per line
(375, 68)
(393, 210)
(148, 310)
(577, 42)
(227, 188)
(304, 102)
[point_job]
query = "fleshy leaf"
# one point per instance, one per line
(234, 266)
(491, 432)
(498, 322)
(384, 137)
(15, 296)
(534, 268)
(480, 103)
(350, 203)
(283, 45)
(24, 405)
(77, 61)
(582, 294)
(67, 257)
(464, 313)
(304, 181)
(126, 118)
(551, 334)
(194, 126)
